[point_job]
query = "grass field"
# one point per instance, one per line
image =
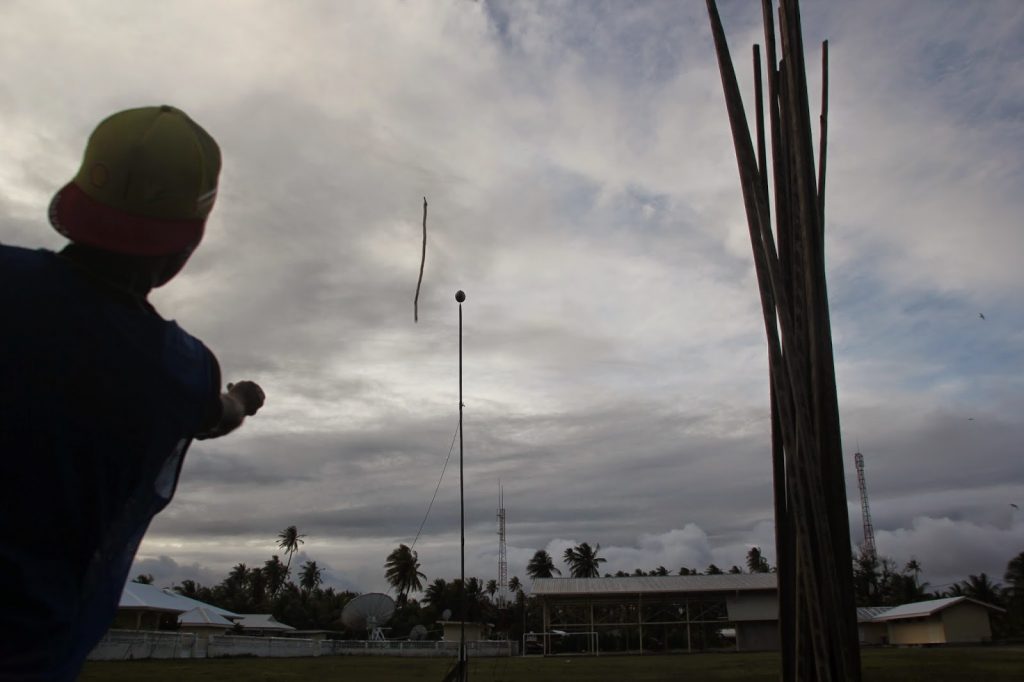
(960, 664)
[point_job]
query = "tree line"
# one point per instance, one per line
(302, 601)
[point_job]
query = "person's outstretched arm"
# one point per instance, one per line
(242, 399)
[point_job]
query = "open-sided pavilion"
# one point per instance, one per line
(644, 614)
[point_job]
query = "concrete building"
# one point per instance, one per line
(204, 622)
(645, 614)
(190, 603)
(869, 631)
(263, 625)
(954, 620)
(147, 607)
(453, 628)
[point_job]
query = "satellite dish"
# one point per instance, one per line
(417, 633)
(446, 614)
(369, 612)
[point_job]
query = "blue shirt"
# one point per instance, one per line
(99, 401)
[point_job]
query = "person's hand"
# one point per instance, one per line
(249, 394)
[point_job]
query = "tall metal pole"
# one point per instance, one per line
(460, 296)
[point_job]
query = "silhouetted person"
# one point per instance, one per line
(100, 397)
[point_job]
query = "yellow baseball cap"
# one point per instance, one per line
(146, 186)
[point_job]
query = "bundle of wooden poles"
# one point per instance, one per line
(817, 615)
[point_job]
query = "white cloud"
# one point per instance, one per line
(946, 548)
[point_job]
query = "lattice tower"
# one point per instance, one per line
(865, 509)
(502, 556)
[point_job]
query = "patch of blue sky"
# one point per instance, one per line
(957, 69)
(636, 43)
(574, 196)
(654, 223)
(939, 336)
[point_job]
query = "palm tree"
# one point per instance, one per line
(756, 563)
(289, 540)
(187, 588)
(913, 566)
(435, 593)
(403, 571)
(713, 570)
(1014, 578)
(310, 577)
(660, 570)
(514, 585)
(541, 565)
(583, 561)
(256, 579)
(276, 574)
(492, 588)
(1014, 575)
(238, 575)
(866, 579)
(735, 570)
(980, 588)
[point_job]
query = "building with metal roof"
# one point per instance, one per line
(658, 613)
(203, 620)
(260, 624)
(151, 598)
(195, 603)
(953, 620)
(870, 631)
(652, 584)
(641, 614)
(147, 607)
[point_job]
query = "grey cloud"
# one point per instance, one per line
(583, 191)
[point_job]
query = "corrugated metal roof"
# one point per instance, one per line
(866, 614)
(150, 597)
(195, 603)
(923, 609)
(726, 582)
(262, 621)
(202, 615)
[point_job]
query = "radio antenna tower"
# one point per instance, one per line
(865, 509)
(502, 557)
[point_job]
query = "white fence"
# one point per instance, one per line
(482, 648)
(269, 647)
(122, 645)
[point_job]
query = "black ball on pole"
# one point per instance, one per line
(460, 295)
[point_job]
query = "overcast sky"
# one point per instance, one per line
(583, 192)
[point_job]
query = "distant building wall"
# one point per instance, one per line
(967, 623)
(753, 606)
(917, 631)
(452, 631)
(757, 636)
(144, 619)
(873, 633)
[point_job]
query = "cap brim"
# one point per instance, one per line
(83, 220)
